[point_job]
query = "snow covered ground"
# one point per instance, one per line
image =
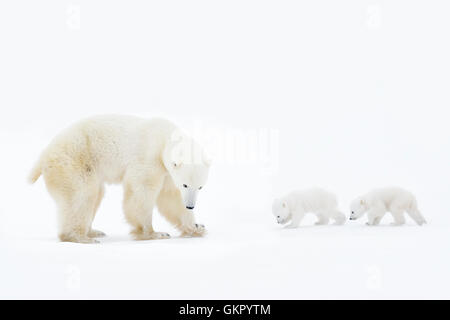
(347, 96)
(245, 255)
(241, 261)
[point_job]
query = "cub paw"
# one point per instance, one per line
(396, 224)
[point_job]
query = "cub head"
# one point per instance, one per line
(188, 166)
(281, 211)
(358, 207)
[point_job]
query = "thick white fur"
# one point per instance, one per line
(296, 204)
(379, 201)
(157, 165)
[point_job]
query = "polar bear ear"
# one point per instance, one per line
(176, 164)
(176, 136)
(284, 204)
(362, 202)
(176, 157)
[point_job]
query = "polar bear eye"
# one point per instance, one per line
(185, 186)
(200, 188)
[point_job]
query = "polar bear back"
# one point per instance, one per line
(391, 196)
(312, 200)
(110, 143)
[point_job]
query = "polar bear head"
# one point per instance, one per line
(280, 210)
(188, 166)
(358, 207)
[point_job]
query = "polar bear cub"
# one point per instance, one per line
(296, 204)
(379, 201)
(158, 166)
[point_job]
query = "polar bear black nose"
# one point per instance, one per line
(190, 208)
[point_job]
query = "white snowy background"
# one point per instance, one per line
(353, 95)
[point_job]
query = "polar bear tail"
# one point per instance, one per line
(35, 173)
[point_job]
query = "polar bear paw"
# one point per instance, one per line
(196, 230)
(96, 234)
(70, 237)
(150, 235)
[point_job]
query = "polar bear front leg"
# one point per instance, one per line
(171, 206)
(297, 217)
(375, 216)
(188, 226)
(139, 201)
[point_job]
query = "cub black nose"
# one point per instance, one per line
(190, 208)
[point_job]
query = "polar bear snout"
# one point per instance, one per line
(190, 198)
(281, 220)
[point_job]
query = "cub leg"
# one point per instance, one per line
(171, 206)
(415, 214)
(338, 217)
(297, 217)
(375, 216)
(139, 201)
(323, 219)
(399, 218)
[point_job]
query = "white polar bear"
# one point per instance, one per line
(296, 204)
(377, 202)
(157, 165)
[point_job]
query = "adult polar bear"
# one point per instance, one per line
(155, 162)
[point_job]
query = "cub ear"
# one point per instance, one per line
(284, 204)
(207, 160)
(362, 202)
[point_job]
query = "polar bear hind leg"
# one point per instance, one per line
(338, 217)
(76, 195)
(399, 217)
(415, 214)
(323, 219)
(92, 232)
